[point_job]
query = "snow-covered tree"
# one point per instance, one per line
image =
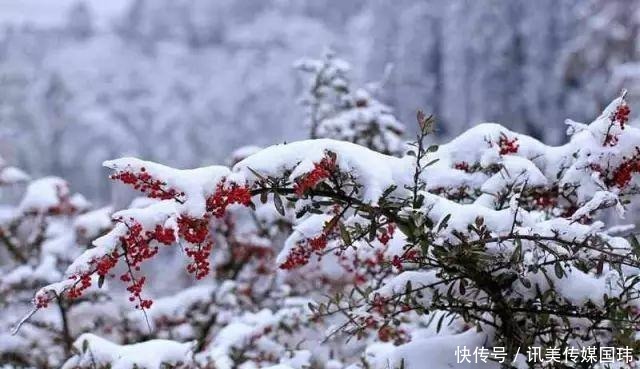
(337, 110)
(493, 241)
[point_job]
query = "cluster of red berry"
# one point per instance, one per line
(320, 172)
(508, 145)
(106, 263)
(545, 200)
(163, 235)
(42, 301)
(301, 254)
(388, 333)
(137, 245)
(200, 265)
(622, 175)
(193, 230)
(610, 140)
(463, 165)
(297, 257)
(227, 195)
(408, 256)
(135, 289)
(82, 284)
(387, 234)
(144, 182)
(64, 205)
(621, 115)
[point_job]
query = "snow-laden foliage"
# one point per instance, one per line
(337, 110)
(39, 237)
(491, 241)
(11, 175)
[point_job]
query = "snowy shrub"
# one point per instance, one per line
(493, 242)
(337, 110)
(39, 238)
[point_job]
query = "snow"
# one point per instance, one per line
(11, 175)
(601, 199)
(351, 158)
(156, 94)
(196, 184)
(91, 224)
(497, 212)
(419, 281)
(43, 194)
(438, 351)
(153, 354)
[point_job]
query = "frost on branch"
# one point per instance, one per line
(493, 239)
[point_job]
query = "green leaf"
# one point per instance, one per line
(635, 244)
(264, 197)
(444, 223)
(432, 148)
(439, 325)
(388, 191)
(277, 201)
(312, 307)
(557, 268)
(301, 212)
(517, 253)
(462, 288)
(101, 281)
(346, 236)
(431, 162)
(373, 228)
(406, 228)
(85, 346)
(407, 288)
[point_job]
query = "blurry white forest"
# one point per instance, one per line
(187, 82)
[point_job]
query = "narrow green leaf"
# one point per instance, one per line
(635, 244)
(557, 268)
(344, 233)
(439, 325)
(277, 201)
(525, 282)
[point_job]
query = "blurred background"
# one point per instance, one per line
(185, 82)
